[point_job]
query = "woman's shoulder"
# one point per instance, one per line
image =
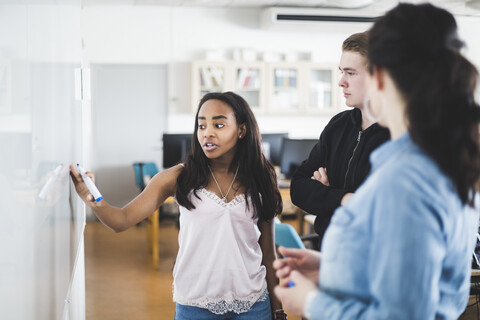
(174, 170)
(168, 177)
(414, 177)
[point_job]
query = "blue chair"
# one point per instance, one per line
(144, 171)
(286, 236)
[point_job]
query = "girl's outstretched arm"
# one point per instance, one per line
(267, 243)
(156, 192)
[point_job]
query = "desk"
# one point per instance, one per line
(285, 193)
(475, 280)
(152, 233)
(310, 219)
(475, 292)
(476, 275)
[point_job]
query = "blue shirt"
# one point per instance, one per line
(402, 246)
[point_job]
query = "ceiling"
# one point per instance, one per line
(458, 7)
(238, 3)
(461, 7)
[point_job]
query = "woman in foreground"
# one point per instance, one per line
(402, 247)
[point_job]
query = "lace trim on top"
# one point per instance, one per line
(239, 198)
(228, 303)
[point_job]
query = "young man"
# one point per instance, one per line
(339, 162)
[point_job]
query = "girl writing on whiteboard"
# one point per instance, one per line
(228, 198)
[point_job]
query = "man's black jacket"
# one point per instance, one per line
(344, 150)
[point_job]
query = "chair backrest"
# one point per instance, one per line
(286, 236)
(142, 170)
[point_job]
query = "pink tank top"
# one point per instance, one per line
(219, 262)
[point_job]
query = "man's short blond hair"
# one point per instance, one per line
(357, 42)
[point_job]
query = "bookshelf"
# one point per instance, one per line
(322, 86)
(245, 79)
(274, 88)
(302, 87)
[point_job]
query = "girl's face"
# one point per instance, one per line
(217, 131)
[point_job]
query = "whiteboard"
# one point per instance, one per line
(41, 218)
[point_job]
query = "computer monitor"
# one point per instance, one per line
(272, 146)
(175, 148)
(294, 151)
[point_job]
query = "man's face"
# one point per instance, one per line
(353, 68)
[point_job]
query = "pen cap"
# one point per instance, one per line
(81, 170)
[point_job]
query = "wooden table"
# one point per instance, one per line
(152, 233)
(285, 193)
(475, 276)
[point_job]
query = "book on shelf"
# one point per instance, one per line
(292, 78)
(245, 82)
(206, 78)
(241, 76)
(278, 77)
(217, 77)
(248, 78)
(253, 79)
(211, 78)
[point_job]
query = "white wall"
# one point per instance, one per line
(131, 135)
(468, 30)
(178, 35)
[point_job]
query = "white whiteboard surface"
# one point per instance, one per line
(41, 218)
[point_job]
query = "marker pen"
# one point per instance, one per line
(90, 185)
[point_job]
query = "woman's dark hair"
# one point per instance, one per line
(418, 46)
(255, 172)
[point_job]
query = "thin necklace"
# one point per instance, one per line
(224, 197)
